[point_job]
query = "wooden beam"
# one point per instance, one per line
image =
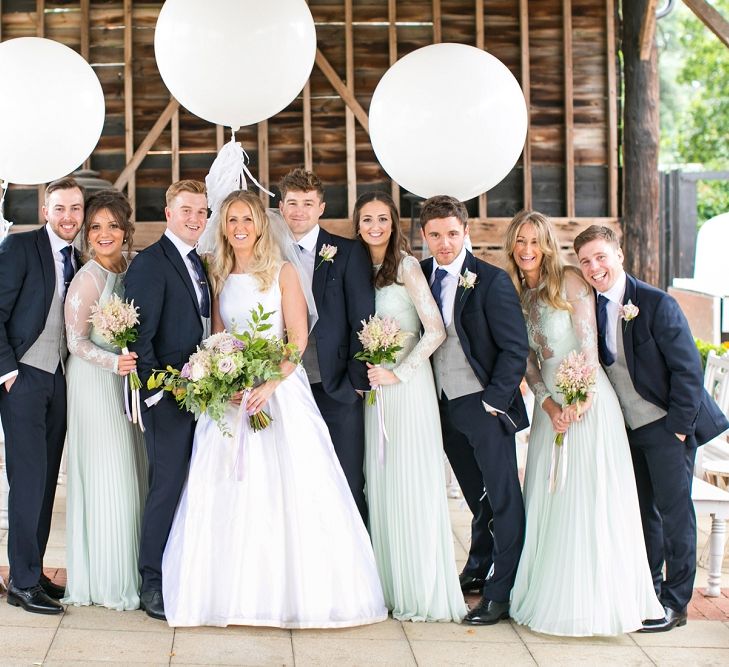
(647, 29)
(437, 31)
(1, 20)
(129, 101)
(612, 110)
(526, 87)
(392, 48)
(147, 143)
(264, 177)
(483, 201)
(308, 143)
(711, 18)
(350, 130)
(569, 115)
(349, 99)
(175, 145)
(219, 136)
(84, 37)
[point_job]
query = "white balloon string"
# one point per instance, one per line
(247, 171)
(382, 436)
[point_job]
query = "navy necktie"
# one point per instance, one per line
(201, 281)
(606, 356)
(68, 270)
(436, 288)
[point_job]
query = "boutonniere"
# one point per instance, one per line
(467, 280)
(629, 312)
(326, 253)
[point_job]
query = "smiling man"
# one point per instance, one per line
(477, 372)
(35, 271)
(168, 284)
(647, 350)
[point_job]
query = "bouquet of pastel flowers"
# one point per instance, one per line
(382, 339)
(574, 380)
(223, 365)
(115, 321)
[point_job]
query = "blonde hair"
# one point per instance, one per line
(187, 185)
(266, 259)
(552, 269)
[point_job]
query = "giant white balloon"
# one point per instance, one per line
(51, 110)
(448, 119)
(235, 62)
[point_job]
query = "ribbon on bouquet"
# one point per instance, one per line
(558, 464)
(135, 414)
(242, 427)
(382, 435)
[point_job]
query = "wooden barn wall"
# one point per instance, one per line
(561, 51)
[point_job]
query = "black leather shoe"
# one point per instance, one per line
(153, 604)
(33, 599)
(672, 619)
(487, 612)
(51, 589)
(470, 583)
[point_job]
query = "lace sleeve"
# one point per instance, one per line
(83, 292)
(534, 379)
(584, 322)
(433, 329)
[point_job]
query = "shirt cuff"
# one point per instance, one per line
(8, 376)
(488, 408)
(154, 398)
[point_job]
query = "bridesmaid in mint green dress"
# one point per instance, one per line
(406, 491)
(106, 459)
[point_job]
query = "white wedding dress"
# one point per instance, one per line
(284, 545)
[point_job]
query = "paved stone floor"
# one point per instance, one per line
(89, 635)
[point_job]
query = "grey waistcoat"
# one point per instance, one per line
(636, 410)
(310, 359)
(454, 376)
(49, 348)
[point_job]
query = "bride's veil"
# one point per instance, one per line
(227, 173)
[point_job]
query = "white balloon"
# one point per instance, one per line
(448, 119)
(51, 110)
(235, 62)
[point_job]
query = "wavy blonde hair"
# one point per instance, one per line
(552, 269)
(266, 259)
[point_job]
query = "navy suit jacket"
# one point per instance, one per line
(27, 288)
(344, 296)
(664, 363)
(170, 325)
(492, 332)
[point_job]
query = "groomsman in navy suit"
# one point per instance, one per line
(168, 284)
(648, 352)
(341, 280)
(36, 269)
(478, 370)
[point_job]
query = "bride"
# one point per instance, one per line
(284, 545)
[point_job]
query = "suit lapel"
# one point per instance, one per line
(176, 260)
(321, 269)
(462, 294)
(48, 266)
(630, 295)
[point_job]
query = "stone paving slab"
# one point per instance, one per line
(231, 649)
(439, 653)
(328, 650)
(111, 645)
(695, 657)
(558, 655)
(695, 634)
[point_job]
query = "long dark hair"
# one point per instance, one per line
(396, 247)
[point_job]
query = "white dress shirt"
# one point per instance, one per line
(308, 253)
(183, 248)
(449, 284)
(615, 297)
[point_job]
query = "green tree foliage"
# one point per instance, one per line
(695, 102)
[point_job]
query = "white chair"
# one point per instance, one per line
(712, 460)
(4, 489)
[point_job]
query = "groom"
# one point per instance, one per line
(477, 371)
(168, 284)
(648, 352)
(341, 280)
(36, 269)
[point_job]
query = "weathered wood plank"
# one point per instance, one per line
(647, 29)
(569, 128)
(526, 89)
(711, 18)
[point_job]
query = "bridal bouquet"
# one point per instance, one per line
(225, 364)
(381, 339)
(574, 379)
(115, 322)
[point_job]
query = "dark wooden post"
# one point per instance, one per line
(640, 149)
